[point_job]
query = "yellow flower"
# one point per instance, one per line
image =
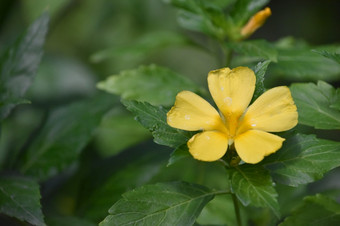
(256, 22)
(245, 127)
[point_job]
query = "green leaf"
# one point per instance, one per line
(20, 198)
(185, 4)
(256, 48)
(176, 203)
(67, 221)
(61, 78)
(316, 210)
(203, 16)
(253, 185)
(19, 64)
(154, 119)
(99, 193)
(178, 154)
(209, 174)
(153, 84)
(317, 105)
(331, 55)
(301, 64)
(118, 131)
(260, 70)
(33, 9)
(219, 211)
(303, 159)
(336, 100)
(65, 134)
(142, 47)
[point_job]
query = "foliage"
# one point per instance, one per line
(168, 200)
(320, 101)
(253, 184)
(303, 159)
(58, 145)
(19, 65)
(302, 64)
(325, 53)
(75, 144)
(154, 119)
(142, 84)
(318, 210)
(20, 198)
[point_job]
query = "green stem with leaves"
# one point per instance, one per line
(232, 160)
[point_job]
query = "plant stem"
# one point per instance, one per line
(237, 210)
(228, 56)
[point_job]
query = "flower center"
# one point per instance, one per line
(235, 125)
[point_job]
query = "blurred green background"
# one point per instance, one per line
(89, 40)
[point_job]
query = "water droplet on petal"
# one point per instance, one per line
(222, 88)
(228, 100)
(253, 125)
(187, 117)
(208, 137)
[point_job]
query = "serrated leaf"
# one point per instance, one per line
(154, 119)
(153, 84)
(331, 55)
(63, 137)
(20, 198)
(19, 64)
(256, 48)
(253, 185)
(260, 70)
(314, 104)
(336, 100)
(101, 191)
(317, 210)
(301, 64)
(203, 16)
(178, 154)
(303, 159)
(176, 203)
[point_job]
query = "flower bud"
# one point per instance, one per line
(256, 22)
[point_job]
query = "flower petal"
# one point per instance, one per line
(191, 112)
(273, 111)
(253, 145)
(208, 146)
(232, 90)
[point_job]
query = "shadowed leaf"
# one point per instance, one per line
(19, 65)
